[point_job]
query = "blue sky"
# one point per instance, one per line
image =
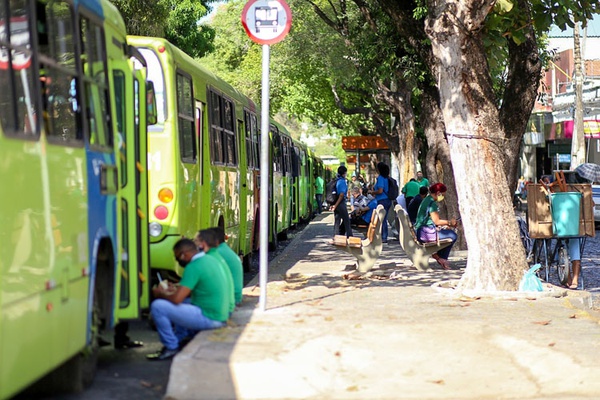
(593, 29)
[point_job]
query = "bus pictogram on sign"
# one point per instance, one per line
(267, 21)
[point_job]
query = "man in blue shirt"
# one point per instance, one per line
(340, 211)
(364, 213)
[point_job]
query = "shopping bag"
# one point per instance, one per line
(530, 281)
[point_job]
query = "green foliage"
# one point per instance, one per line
(174, 20)
(183, 29)
(143, 17)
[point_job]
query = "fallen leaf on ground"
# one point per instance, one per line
(542, 322)
(352, 388)
(145, 383)
(353, 277)
(573, 316)
(551, 344)
(438, 382)
(467, 298)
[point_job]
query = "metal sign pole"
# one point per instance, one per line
(264, 180)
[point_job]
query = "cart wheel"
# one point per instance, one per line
(562, 267)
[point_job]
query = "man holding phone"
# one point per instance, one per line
(210, 292)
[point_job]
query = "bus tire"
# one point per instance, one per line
(273, 242)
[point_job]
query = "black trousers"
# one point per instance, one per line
(342, 220)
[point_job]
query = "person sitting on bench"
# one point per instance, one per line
(363, 213)
(358, 201)
(428, 223)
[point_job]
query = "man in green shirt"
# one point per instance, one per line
(209, 292)
(410, 190)
(421, 180)
(319, 189)
(207, 241)
(233, 262)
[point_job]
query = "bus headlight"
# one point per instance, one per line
(154, 229)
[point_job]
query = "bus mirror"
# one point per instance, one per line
(151, 111)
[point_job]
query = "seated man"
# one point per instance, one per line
(413, 207)
(205, 280)
(365, 213)
(359, 201)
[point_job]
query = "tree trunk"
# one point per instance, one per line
(475, 137)
(438, 157)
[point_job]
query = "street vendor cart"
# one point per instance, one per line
(558, 213)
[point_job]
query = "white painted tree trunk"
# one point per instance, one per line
(496, 259)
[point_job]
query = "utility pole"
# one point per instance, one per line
(578, 140)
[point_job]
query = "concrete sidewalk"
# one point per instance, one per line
(324, 337)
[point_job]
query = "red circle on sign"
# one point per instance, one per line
(261, 20)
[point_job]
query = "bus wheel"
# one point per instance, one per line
(282, 235)
(273, 242)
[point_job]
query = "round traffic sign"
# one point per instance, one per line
(19, 36)
(267, 21)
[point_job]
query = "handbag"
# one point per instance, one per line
(428, 233)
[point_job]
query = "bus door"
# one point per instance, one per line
(131, 214)
(245, 186)
(144, 115)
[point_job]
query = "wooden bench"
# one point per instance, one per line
(367, 250)
(415, 250)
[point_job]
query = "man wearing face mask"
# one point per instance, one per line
(208, 307)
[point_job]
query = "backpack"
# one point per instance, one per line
(331, 194)
(393, 191)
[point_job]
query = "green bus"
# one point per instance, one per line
(62, 270)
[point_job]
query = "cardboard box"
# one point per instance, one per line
(539, 217)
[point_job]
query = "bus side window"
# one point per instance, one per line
(18, 94)
(56, 35)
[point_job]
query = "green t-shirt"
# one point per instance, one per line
(223, 264)
(319, 185)
(235, 267)
(209, 285)
(428, 205)
(411, 189)
(423, 182)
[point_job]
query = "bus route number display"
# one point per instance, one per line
(267, 21)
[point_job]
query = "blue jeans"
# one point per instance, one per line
(574, 249)
(386, 203)
(185, 316)
(319, 197)
(446, 234)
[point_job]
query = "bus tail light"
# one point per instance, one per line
(161, 212)
(165, 195)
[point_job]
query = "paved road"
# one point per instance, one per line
(127, 375)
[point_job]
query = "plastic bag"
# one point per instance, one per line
(530, 281)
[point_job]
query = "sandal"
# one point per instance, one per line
(444, 263)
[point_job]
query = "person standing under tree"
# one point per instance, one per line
(340, 211)
(319, 189)
(421, 180)
(410, 190)
(380, 191)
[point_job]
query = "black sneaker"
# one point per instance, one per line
(163, 354)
